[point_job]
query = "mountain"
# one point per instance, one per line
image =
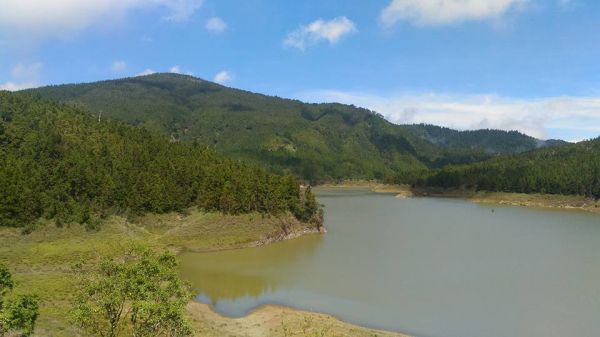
(315, 141)
(58, 162)
(569, 169)
(487, 140)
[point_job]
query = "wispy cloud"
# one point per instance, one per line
(179, 10)
(443, 12)
(223, 77)
(23, 76)
(573, 118)
(216, 25)
(12, 86)
(147, 71)
(118, 66)
(331, 31)
(175, 70)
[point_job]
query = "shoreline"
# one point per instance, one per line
(546, 201)
(272, 319)
(281, 237)
(276, 321)
(533, 200)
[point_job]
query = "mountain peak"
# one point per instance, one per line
(315, 141)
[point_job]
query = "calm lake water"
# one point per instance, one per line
(426, 267)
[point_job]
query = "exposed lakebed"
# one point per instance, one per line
(425, 266)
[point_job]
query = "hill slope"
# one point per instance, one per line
(57, 162)
(315, 141)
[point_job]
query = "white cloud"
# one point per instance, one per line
(575, 117)
(147, 72)
(118, 66)
(11, 86)
(59, 17)
(175, 70)
(443, 12)
(23, 76)
(179, 10)
(216, 25)
(223, 77)
(331, 31)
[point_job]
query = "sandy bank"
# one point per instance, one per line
(275, 321)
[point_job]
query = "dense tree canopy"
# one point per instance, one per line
(570, 169)
(60, 163)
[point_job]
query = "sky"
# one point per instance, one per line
(527, 65)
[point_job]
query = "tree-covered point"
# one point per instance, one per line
(316, 142)
(570, 169)
(57, 162)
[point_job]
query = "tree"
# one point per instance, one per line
(310, 204)
(19, 313)
(138, 295)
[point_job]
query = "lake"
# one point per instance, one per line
(427, 267)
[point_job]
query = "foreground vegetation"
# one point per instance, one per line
(138, 294)
(316, 142)
(57, 162)
(42, 262)
(18, 312)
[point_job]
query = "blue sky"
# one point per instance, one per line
(530, 65)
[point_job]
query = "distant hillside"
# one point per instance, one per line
(569, 169)
(315, 141)
(487, 140)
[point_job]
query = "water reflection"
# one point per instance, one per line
(245, 274)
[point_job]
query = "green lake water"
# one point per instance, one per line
(426, 267)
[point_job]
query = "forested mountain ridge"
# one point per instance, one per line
(488, 140)
(59, 162)
(570, 169)
(315, 141)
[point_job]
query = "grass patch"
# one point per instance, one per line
(42, 261)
